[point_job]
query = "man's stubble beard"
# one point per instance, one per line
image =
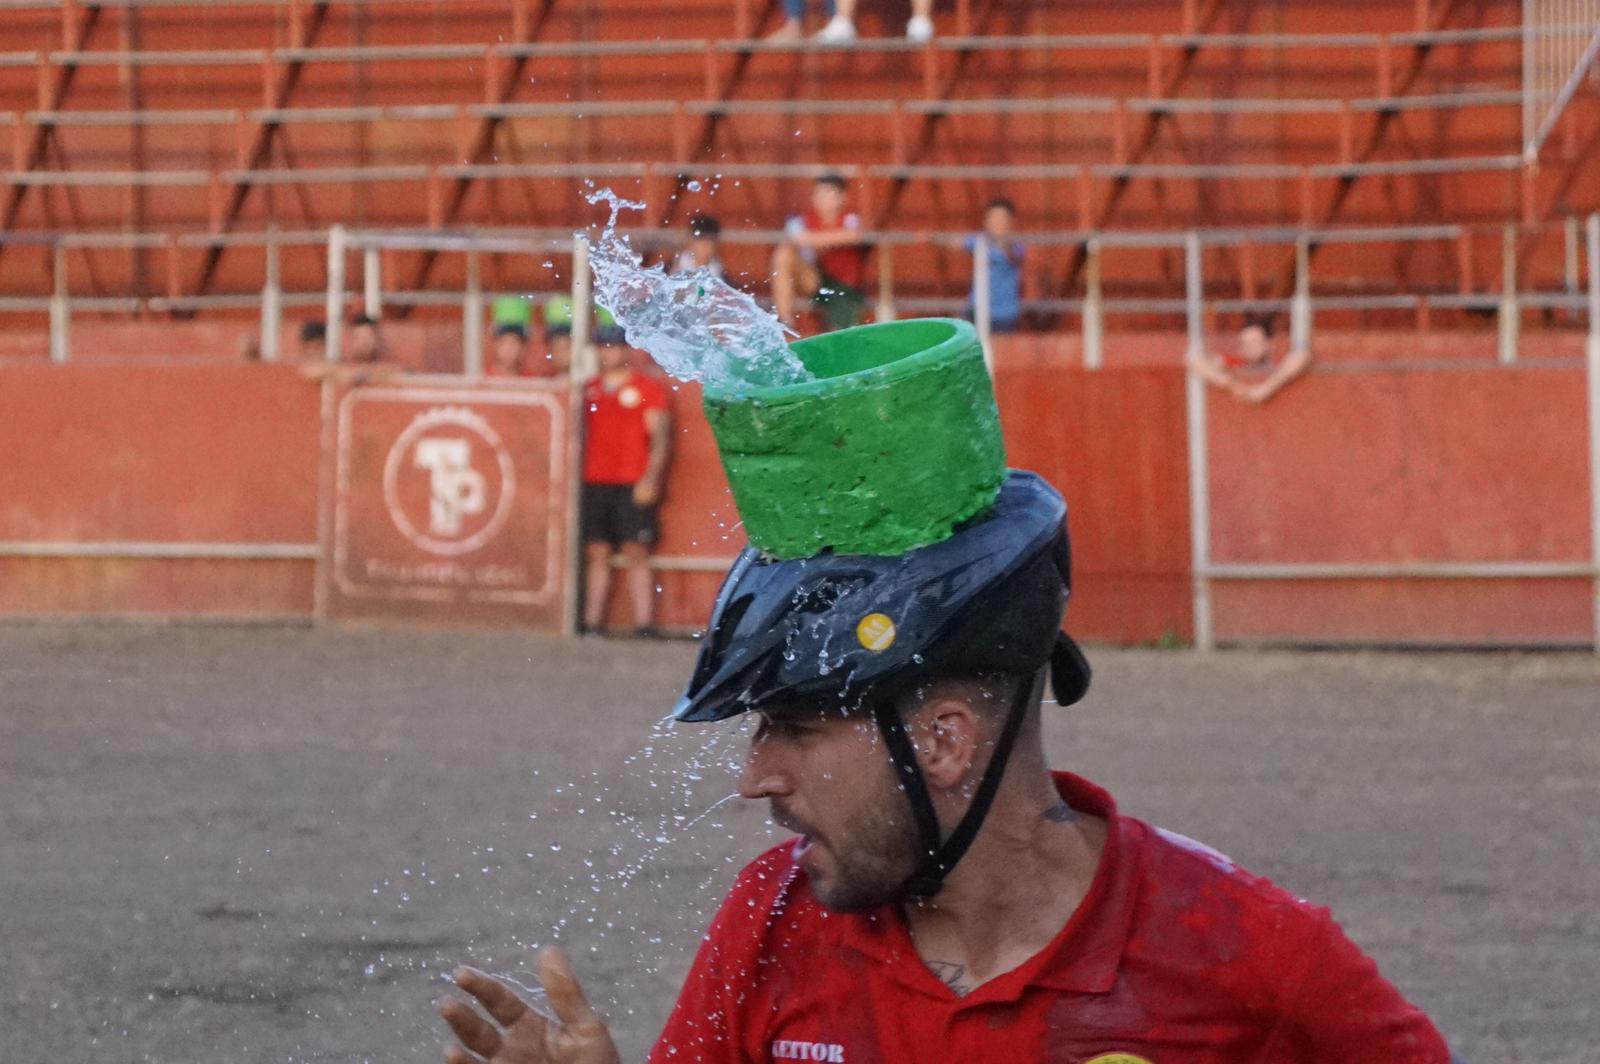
(874, 854)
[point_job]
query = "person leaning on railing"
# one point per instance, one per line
(364, 360)
(1251, 373)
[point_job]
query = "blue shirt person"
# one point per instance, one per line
(1005, 267)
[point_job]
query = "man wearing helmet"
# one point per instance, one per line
(948, 897)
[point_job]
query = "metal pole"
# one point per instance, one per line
(1592, 368)
(1300, 305)
(1199, 494)
(60, 308)
(271, 302)
(333, 309)
(886, 310)
(372, 284)
(577, 376)
(1510, 315)
(1094, 311)
(981, 316)
(472, 320)
(583, 361)
(1571, 238)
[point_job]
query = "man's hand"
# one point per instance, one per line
(646, 492)
(518, 1034)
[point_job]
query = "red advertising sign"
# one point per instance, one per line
(450, 505)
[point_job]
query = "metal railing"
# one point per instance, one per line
(1505, 293)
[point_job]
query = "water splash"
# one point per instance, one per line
(694, 324)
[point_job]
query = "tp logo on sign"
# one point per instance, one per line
(455, 488)
(449, 473)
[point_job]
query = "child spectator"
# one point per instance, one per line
(704, 248)
(509, 355)
(1006, 257)
(1250, 374)
(822, 258)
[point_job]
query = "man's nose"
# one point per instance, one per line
(762, 776)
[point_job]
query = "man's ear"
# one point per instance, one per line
(947, 734)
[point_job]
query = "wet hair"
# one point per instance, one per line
(832, 181)
(1259, 320)
(314, 331)
(705, 225)
(363, 319)
(1000, 201)
(995, 691)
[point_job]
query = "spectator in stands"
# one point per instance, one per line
(366, 341)
(364, 359)
(510, 352)
(1252, 373)
(628, 430)
(313, 340)
(822, 258)
(704, 248)
(509, 356)
(841, 25)
(1006, 257)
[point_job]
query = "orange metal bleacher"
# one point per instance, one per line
(169, 117)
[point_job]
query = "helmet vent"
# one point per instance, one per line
(821, 596)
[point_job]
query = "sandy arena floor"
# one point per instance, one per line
(241, 844)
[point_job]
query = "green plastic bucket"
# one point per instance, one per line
(895, 443)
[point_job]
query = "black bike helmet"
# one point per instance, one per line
(854, 630)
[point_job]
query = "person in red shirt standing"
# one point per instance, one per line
(627, 432)
(822, 258)
(947, 897)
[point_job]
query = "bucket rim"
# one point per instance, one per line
(962, 336)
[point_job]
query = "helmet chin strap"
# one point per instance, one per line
(939, 855)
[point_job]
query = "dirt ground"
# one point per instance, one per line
(265, 844)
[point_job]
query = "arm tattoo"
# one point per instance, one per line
(953, 976)
(1061, 813)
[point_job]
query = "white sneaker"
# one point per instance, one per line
(919, 29)
(839, 30)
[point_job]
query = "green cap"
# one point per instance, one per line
(558, 314)
(511, 310)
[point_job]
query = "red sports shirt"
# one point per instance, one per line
(1175, 956)
(617, 440)
(846, 263)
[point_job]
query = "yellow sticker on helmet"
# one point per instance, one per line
(876, 631)
(1118, 1058)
